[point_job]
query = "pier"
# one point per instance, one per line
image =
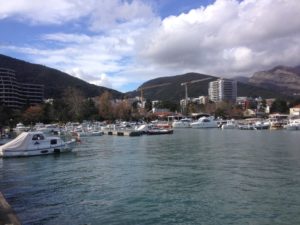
(7, 215)
(122, 132)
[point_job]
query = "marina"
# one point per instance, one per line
(195, 176)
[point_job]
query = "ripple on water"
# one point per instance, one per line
(190, 177)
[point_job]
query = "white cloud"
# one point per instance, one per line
(45, 12)
(98, 15)
(101, 80)
(130, 44)
(229, 37)
(109, 14)
(63, 37)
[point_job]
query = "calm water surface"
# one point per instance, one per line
(190, 177)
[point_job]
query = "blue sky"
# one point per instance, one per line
(120, 43)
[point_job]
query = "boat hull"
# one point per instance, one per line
(158, 132)
(67, 147)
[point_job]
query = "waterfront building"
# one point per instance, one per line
(269, 103)
(200, 100)
(14, 94)
(295, 111)
(222, 90)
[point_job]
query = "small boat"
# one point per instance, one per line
(260, 125)
(89, 133)
(35, 143)
(293, 125)
(183, 123)
(246, 126)
(157, 131)
(230, 124)
(205, 122)
(20, 128)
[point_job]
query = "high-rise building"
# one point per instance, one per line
(222, 90)
(14, 94)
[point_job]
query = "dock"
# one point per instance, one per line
(7, 215)
(122, 132)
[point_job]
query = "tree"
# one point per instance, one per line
(191, 108)
(220, 112)
(167, 105)
(33, 114)
(122, 110)
(48, 113)
(5, 115)
(105, 106)
(294, 102)
(148, 105)
(74, 100)
(89, 111)
(60, 111)
(279, 106)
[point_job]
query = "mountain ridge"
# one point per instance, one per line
(283, 78)
(55, 81)
(175, 91)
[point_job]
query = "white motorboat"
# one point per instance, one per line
(48, 128)
(20, 128)
(183, 123)
(205, 122)
(35, 143)
(293, 125)
(261, 125)
(230, 124)
(89, 133)
(248, 126)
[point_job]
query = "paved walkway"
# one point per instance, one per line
(7, 215)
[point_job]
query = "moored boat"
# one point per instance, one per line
(205, 122)
(293, 125)
(183, 123)
(157, 131)
(20, 128)
(35, 143)
(261, 125)
(230, 124)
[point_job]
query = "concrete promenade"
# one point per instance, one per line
(7, 215)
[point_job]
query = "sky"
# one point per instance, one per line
(120, 44)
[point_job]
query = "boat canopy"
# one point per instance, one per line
(23, 141)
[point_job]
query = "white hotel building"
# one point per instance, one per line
(222, 90)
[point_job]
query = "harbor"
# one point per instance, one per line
(192, 175)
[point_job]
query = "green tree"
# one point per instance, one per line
(89, 111)
(220, 112)
(48, 113)
(279, 106)
(5, 115)
(148, 105)
(60, 111)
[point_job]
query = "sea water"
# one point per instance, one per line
(193, 176)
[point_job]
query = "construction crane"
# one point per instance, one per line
(150, 87)
(185, 84)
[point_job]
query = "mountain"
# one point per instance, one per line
(241, 79)
(55, 81)
(281, 78)
(173, 91)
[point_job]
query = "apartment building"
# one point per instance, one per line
(14, 94)
(222, 90)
